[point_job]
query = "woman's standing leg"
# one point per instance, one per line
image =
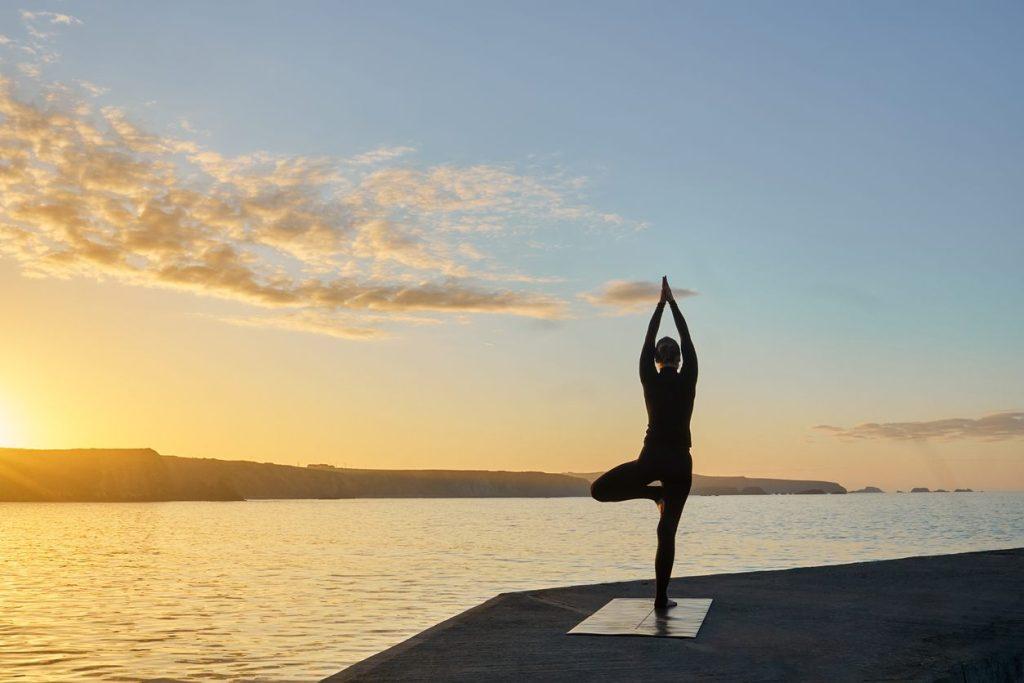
(666, 555)
(677, 478)
(628, 481)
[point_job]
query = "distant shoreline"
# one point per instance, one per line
(143, 475)
(511, 497)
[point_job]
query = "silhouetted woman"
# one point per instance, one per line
(669, 392)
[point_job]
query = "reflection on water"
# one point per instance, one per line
(295, 590)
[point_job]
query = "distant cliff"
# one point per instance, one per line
(145, 475)
(706, 485)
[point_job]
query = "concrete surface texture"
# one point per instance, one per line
(947, 617)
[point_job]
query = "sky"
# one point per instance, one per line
(428, 235)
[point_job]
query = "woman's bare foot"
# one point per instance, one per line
(664, 603)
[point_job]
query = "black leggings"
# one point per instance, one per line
(632, 480)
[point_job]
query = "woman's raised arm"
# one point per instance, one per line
(647, 368)
(686, 349)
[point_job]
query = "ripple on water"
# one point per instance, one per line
(295, 590)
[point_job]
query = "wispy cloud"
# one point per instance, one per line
(49, 18)
(380, 155)
(305, 322)
(318, 239)
(994, 427)
(37, 47)
(92, 88)
(630, 296)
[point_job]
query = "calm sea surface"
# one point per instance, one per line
(296, 590)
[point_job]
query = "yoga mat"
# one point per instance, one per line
(638, 617)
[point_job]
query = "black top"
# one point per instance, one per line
(668, 394)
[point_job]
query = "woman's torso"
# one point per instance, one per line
(669, 398)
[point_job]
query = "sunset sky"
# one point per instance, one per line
(426, 235)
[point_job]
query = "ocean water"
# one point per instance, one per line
(297, 590)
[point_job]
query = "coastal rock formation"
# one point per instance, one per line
(869, 489)
(707, 485)
(920, 489)
(142, 474)
(716, 491)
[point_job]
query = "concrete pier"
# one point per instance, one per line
(942, 618)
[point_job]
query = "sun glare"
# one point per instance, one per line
(6, 428)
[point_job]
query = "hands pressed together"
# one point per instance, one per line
(666, 291)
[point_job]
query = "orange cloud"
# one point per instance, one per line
(630, 296)
(994, 427)
(93, 194)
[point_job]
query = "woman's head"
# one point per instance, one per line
(666, 352)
